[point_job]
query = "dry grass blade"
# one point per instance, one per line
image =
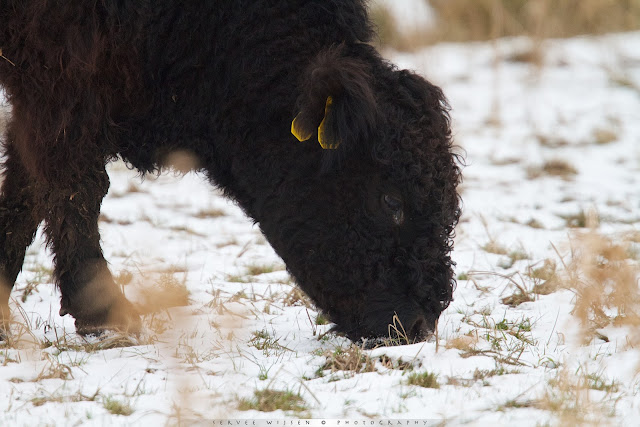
(5, 58)
(296, 297)
(397, 333)
(511, 358)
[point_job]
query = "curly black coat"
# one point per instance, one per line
(366, 229)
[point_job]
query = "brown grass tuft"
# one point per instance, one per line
(463, 342)
(352, 359)
(545, 278)
(494, 247)
(424, 379)
(296, 297)
(556, 167)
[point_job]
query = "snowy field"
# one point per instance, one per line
(548, 149)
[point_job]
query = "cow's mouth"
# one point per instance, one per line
(396, 334)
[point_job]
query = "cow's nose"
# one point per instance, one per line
(420, 330)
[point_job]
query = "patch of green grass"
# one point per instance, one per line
(268, 400)
(482, 374)
(116, 407)
(508, 339)
(463, 276)
(236, 278)
(423, 379)
(506, 325)
(319, 373)
(256, 270)
(321, 319)
(514, 255)
(598, 382)
(518, 255)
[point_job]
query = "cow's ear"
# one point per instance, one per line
(421, 92)
(336, 103)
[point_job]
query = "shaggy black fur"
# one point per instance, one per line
(366, 229)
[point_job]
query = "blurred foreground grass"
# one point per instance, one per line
(475, 20)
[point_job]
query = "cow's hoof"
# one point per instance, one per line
(120, 316)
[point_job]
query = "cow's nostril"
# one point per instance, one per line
(420, 330)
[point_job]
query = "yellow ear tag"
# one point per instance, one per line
(325, 142)
(298, 132)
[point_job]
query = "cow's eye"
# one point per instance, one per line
(393, 205)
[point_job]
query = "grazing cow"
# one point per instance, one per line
(344, 160)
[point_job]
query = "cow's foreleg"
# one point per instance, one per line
(89, 292)
(19, 219)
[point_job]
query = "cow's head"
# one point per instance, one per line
(365, 223)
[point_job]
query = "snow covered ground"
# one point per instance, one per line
(546, 147)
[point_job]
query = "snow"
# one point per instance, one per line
(195, 363)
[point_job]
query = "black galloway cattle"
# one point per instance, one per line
(345, 161)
